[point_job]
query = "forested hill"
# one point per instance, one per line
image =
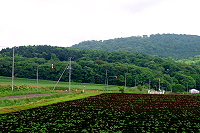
(164, 45)
(89, 66)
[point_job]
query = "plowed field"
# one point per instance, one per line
(110, 112)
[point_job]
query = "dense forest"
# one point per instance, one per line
(163, 45)
(90, 66)
(191, 61)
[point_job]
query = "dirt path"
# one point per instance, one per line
(27, 95)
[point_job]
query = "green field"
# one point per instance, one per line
(48, 83)
(23, 86)
(13, 105)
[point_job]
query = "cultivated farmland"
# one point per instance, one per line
(110, 112)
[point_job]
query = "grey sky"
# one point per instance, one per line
(68, 22)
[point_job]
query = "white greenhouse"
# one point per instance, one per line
(193, 91)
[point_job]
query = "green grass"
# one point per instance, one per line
(24, 86)
(11, 102)
(5, 90)
(45, 101)
(51, 84)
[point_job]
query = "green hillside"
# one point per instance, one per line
(90, 66)
(163, 45)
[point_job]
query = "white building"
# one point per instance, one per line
(194, 91)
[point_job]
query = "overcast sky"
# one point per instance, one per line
(68, 22)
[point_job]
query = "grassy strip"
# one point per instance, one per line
(50, 84)
(4, 94)
(5, 90)
(44, 102)
(12, 102)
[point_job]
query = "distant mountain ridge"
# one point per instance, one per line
(163, 45)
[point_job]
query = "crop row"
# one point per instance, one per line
(110, 112)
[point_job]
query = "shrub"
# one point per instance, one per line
(121, 89)
(139, 87)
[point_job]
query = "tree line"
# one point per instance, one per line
(191, 60)
(163, 45)
(90, 66)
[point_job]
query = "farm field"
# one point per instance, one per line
(110, 112)
(47, 83)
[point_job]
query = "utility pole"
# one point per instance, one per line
(125, 81)
(106, 81)
(159, 84)
(149, 84)
(70, 71)
(13, 69)
(135, 83)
